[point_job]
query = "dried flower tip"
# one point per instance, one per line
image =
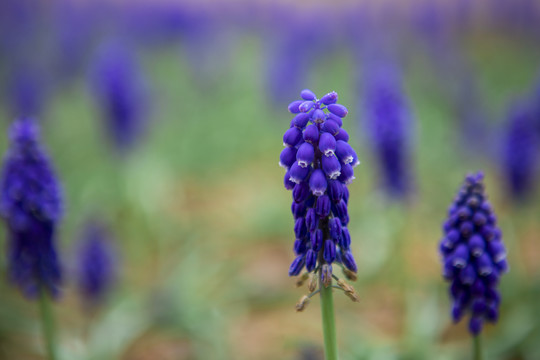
(353, 296)
(312, 284)
(302, 279)
(302, 303)
(350, 275)
(346, 287)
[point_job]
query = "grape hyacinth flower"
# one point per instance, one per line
(96, 262)
(388, 120)
(473, 256)
(121, 93)
(520, 148)
(319, 165)
(30, 203)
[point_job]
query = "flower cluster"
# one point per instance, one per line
(96, 263)
(121, 92)
(388, 118)
(30, 203)
(520, 147)
(474, 256)
(319, 163)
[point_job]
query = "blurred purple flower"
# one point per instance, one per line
(26, 90)
(96, 262)
(389, 123)
(30, 203)
(520, 149)
(121, 94)
(473, 255)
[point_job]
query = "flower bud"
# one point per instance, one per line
(338, 110)
(305, 155)
(301, 120)
(329, 253)
(292, 137)
(331, 166)
(287, 157)
(293, 107)
(327, 144)
(307, 94)
(318, 183)
(297, 174)
(329, 98)
(297, 265)
(311, 134)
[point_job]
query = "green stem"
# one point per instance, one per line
(328, 322)
(477, 348)
(47, 321)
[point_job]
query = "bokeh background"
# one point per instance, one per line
(164, 122)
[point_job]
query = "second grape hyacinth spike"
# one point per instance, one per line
(473, 255)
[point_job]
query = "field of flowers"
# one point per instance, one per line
(163, 124)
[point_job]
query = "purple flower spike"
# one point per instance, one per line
(318, 183)
(31, 205)
(470, 255)
(327, 144)
(121, 93)
(307, 94)
(96, 260)
(305, 155)
(388, 119)
(319, 164)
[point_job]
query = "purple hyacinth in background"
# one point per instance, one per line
(388, 121)
(121, 93)
(30, 203)
(520, 151)
(96, 263)
(319, 163)
(474, 256)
